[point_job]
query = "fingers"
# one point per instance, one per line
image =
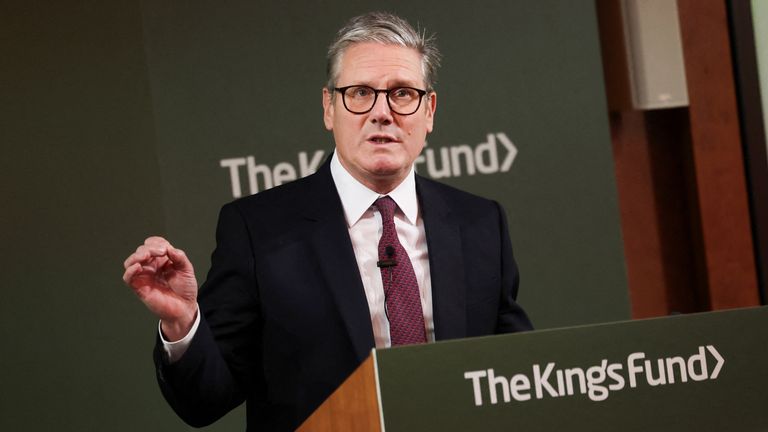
(143, 268)
(148, 256)
(157, 241)
(153, 247)
(161, 246)
(155, 255)
(130, 272)
(179, 260)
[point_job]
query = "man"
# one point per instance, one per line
(307, 277)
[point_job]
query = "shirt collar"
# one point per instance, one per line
(356, 198)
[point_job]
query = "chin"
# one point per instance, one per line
(386, 168)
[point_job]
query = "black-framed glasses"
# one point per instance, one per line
(359, 99)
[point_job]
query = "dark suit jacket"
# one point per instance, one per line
(284, 315)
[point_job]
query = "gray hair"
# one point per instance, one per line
(388, 29)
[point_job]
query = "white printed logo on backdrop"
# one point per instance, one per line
(494, 155)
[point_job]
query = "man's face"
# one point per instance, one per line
(379, 147)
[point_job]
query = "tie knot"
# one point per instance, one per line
(386, 206)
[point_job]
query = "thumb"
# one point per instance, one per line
(179, 260)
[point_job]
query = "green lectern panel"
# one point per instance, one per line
(703, 372)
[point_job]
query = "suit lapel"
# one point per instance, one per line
(446, 262)
(333, 248)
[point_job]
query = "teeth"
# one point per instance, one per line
(381, 140)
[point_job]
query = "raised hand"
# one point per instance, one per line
(164, 279)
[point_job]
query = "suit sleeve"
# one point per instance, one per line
(222, 366)
(511, 317)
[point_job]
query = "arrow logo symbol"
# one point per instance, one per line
(720, 361)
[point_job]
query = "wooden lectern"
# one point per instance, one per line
(354, 406)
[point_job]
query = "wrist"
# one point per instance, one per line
(175, 330)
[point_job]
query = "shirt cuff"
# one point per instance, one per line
(174, 350)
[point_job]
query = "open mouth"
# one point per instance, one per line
(381, 139)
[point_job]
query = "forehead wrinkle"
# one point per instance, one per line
(397, 66)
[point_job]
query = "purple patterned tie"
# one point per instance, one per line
(401, 291)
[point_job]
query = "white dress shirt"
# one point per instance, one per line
(365, 227)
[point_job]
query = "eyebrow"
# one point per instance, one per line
(393, 84)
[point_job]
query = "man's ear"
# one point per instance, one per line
(431, 108)
(328, 110)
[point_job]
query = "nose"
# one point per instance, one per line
(380, 113)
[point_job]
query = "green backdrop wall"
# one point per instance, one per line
(128, 118)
